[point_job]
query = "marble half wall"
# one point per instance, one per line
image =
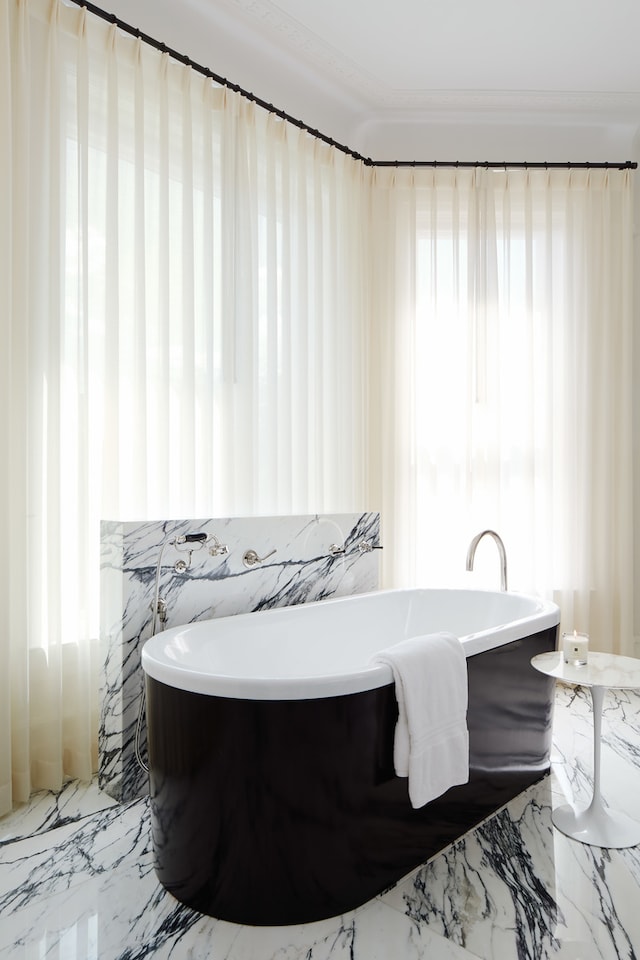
(298, 566)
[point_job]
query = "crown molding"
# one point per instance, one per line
(407, 105)
(289, 36)
(284, 32)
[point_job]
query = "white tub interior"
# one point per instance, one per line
(324, 649)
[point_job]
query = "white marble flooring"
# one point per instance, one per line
(77, 881)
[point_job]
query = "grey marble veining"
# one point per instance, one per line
(47, 810)
(301, 569)
(514, 888)
(92, 893)
(517, 887)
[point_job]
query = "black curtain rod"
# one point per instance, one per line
(518, 164)
(223, 82)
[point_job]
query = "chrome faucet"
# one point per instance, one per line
(503, 554)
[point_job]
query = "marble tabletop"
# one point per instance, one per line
(601, 670)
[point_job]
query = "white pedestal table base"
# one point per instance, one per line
(596, 824)
(597, 827)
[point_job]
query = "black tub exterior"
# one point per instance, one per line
(281, 812)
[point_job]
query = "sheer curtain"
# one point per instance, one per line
(503, 355)
(183, 335)
(208, 312)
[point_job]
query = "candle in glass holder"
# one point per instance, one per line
(575, 647)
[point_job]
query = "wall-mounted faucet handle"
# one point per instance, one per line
(218, 549)
(251, 558)
(161, 610)
(190, 542)
(336, 551)
(366, 546)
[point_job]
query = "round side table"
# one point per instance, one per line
(595, 824)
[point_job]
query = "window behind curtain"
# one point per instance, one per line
(503, 353)
(184, 334)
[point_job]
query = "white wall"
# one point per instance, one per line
(538, 138)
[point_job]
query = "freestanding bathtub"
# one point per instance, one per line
(272, 788)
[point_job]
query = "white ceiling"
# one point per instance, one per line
(357, 69)
(391, 50)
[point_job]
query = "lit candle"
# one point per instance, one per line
(575, 647)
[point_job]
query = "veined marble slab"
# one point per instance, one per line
(514, 888)
(298, 567)
(47, 810)
(90, 893)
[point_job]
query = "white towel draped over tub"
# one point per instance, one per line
(431, 744)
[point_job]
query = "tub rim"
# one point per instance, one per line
(157, 665)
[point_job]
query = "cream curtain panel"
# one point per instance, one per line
(503, 343)
(208, 312)
(182, 335)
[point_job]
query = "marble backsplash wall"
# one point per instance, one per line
(298, 563)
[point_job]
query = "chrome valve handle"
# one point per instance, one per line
(251, 558)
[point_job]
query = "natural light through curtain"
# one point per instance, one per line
(503, 350)
(208, 312)
(182, 335)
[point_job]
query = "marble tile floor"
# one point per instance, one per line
(77, 880)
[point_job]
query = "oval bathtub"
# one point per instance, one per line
(273, 794)
(323, 649)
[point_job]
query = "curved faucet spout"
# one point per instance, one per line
(501, 550)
